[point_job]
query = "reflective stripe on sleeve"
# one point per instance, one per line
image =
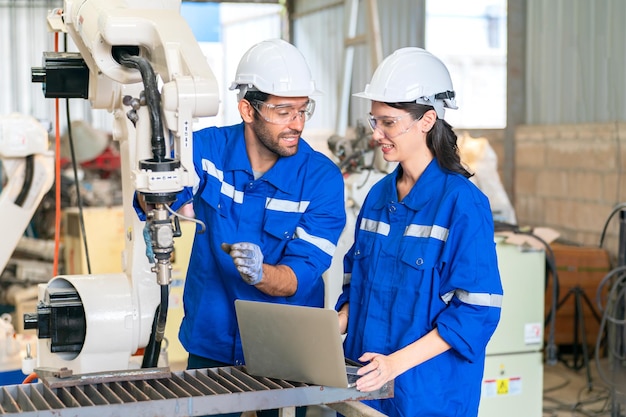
(196, 182)
(477, 299)
(375, 227)
(229, 191)
(286, 205)
(324, 245)
(436, 232)
(226, 189)
(347, 278)
(210, 168)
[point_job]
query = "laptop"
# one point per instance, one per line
(294, 343)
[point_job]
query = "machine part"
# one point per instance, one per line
(186, 393)
(128, 47)
(61, 319)
(28, 166)
(95, 311)
(128, 57)
(64, 75)
(153, 349)
(352, 153)
(64, 378)
(162, 230)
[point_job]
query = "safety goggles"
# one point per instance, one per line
(282, 114)
(389, 125)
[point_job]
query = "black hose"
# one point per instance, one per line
(153, 349)
(153, 100)
(29, 172)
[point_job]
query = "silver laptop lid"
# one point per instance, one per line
(293, 343)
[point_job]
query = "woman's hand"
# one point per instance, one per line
(376, 373)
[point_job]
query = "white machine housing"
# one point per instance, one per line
(119, 308)
(21, 136)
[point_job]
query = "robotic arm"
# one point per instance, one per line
(128, 49)
(29, 168)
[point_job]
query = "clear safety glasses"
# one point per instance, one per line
(389, 126)
(282, 114)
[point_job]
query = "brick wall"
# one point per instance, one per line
(570, 178)
(567, 177)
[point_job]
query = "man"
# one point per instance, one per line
(273, 207)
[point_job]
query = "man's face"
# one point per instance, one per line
(279, 123)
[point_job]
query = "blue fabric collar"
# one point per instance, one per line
(433, 176)
(237, 160)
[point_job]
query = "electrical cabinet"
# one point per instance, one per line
(513, 377)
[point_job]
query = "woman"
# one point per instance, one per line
(422, 291)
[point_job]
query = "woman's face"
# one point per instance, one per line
(397, 133)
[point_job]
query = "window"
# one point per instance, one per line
(471, 38)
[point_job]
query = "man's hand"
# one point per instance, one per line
(248, 259)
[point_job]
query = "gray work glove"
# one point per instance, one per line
(248, 259)
(147, 237)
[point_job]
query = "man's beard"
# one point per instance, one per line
(273, 143)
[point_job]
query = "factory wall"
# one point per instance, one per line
(569, 177)
(569, 155)
(576, 55)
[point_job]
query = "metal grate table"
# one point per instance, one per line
(172, 394)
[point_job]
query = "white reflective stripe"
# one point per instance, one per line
(440, 233)
(324, 245)
(375, 227)
(226, 189)
(477, 299)
(347, 278)
(447, 297)
(210, 168)
(286, 205)
(436, 232)
(229, 191)
(196, 182)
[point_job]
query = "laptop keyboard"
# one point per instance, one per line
(352, 375)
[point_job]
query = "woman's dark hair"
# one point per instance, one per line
(441, 139)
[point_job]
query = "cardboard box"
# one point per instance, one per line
(580, 270)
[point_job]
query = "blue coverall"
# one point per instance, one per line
(295, 212)
(428, 261)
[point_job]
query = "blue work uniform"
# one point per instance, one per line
(428, 261)
(295, 212)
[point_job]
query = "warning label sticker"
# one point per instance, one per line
(502, 386)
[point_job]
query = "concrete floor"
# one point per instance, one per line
(582, 392)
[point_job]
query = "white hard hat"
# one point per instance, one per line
(412, 74)
(274, 67)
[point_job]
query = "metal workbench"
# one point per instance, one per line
(159, 392)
